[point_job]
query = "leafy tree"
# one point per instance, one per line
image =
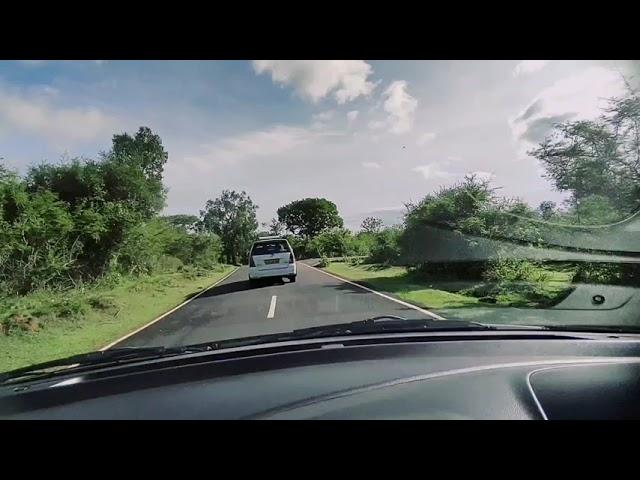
(593, 210)
(144, 150)
(547, 209)
(276, 227)
(231, 216)
(103, 202)
(371, 225)
(310, 216)
(597, 157)
(185, 222)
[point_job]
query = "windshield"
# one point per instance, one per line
(175, 203)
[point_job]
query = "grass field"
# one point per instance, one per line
(398, 282)
(444, 294)
(57, 325)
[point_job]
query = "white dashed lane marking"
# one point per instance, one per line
(272, 307)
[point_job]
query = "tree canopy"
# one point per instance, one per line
(310, 216)
(69, 221)
(231, 216)
(371, 225)
(597, 158)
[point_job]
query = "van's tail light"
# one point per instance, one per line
(251, 262)
(290, 257)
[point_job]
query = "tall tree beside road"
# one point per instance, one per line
(310, 216)
(106, 198)
(276, 227)
(185, 222)
(371, 225)
(231, 216)
(599, 158)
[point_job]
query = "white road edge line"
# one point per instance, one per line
(272, 307)
(170, 311)
(422, 310)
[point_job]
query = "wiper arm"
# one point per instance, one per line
(380, 324)
(390, 323)
(99, 358)
(595, 328)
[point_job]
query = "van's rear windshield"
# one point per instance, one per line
(267, 248)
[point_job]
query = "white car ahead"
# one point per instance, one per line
(272, 257)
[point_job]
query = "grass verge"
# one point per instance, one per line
(47, 325)
(436, 294)
(398, 282)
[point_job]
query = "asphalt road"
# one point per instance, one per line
(234, 309)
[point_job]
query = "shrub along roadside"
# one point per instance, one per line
(46, 325)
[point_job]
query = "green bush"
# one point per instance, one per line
(514, 270)
(355, 261)
(37, 247)
(70, 222)
(608, 273)
(158, 246)
(384, 246)
(167, 264)
(303, 247)
(336, 242)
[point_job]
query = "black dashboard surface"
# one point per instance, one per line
(537, 377)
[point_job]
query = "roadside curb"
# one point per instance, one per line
(157, 319)
(388, 297)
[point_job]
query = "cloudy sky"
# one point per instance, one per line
(368, 135)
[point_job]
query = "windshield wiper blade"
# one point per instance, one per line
(384, 324)
(595, 328)
(389, 323)
(380, 324)
(98, 358)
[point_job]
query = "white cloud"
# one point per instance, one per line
(276, 140)
(352, 116)
(526, 67)
(371, 165)
(323, 116)
(425, 138)
(315, 79)
(60, 126)
(319, 120)
(400, 107)
(432, 170)
(482, 175)
(579, 96)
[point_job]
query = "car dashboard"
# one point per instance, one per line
(511, 375)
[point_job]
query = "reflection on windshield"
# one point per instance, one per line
(393, 195)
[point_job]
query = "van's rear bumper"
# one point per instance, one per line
(279, 271)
